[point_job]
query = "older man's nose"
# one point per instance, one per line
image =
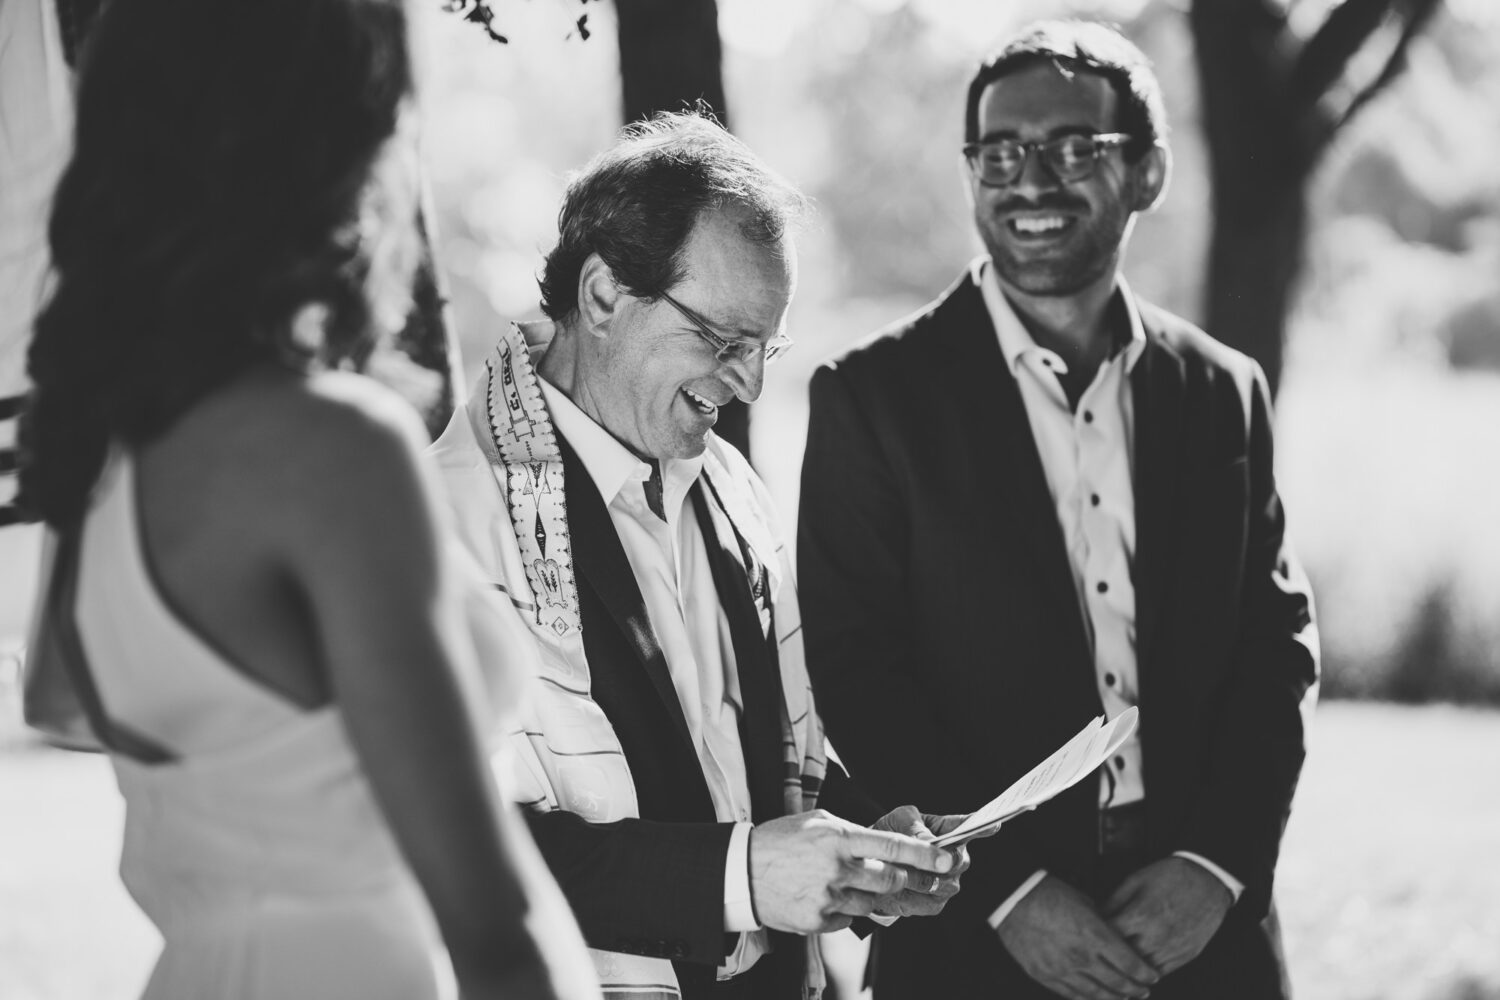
(747, 377)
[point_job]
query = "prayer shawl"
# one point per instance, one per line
(513, 515)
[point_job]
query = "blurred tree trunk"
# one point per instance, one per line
(1272, 103)
(671, 59)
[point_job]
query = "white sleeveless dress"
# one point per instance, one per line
(259, 851)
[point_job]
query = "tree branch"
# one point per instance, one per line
(1326, 55)
(1326, 61)
(1417, 16)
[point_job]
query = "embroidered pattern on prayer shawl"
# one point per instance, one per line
(570, 754)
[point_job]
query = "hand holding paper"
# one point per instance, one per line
(1068, 765)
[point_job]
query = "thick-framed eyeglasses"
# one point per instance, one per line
(1070, 157)
(727, 350)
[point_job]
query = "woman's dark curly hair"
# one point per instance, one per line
(227, 171)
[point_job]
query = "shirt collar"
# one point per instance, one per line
(1015, 339)
(609, 463)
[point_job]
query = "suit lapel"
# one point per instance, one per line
(1157, 388)
(1014, 478)
(754, 656)
(600, 559)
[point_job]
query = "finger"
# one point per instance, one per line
(907, 820)
(947, 889)
(1078, 987)
(877, 877)
(942, 824)
(1123, 961)
(923, 883)
(1116, 981)
(894, 847)
(1124, 895)
(1107, 986)
(1173, 956)
(915, 904)
(859, 903)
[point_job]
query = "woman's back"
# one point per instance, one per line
(259, 850)
(266, 588)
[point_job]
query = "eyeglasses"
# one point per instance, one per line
(1069, 157)
(727, 350)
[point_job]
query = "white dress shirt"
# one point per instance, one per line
(671, 567)
(1087, 455)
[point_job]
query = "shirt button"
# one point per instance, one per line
(1094, 499)
(1109, 679)
(1088, 416)
(1102, 587)
(1120, 763)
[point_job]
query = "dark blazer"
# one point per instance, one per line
(655, 885)
(948, 650)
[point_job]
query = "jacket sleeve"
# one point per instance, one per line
(1259, 744)
(865, 660)
(638, 886)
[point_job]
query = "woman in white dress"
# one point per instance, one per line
(276, 644)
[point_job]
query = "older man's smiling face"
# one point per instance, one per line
(656, 385)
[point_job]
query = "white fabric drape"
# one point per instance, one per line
(36, 123)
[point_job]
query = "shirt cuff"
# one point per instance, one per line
(1003, 910)
(1234, 885)
(739, 908)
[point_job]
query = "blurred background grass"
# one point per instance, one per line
(1388, 425)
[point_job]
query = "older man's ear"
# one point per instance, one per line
(598, 296)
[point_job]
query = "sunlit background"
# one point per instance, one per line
(1388, 426)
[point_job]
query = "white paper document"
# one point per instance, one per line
(1068, 765)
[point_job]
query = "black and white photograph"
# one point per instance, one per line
(749, 499)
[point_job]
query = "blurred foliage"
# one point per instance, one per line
(1395, 434)
(482, 13)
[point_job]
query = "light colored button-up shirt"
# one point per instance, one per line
(670, 562)
(1087, 455)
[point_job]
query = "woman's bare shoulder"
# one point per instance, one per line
(330, 418)
(286, 443)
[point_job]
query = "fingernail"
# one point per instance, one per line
(945, 862)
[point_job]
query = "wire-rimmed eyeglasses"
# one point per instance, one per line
(727, 350)
(1069, 157)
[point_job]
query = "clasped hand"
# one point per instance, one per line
(1159, 919)
(1169, 911)
(813, 872)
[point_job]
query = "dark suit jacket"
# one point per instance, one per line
(947, 645)
(655, 885)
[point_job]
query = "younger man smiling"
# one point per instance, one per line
(1039, 500)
